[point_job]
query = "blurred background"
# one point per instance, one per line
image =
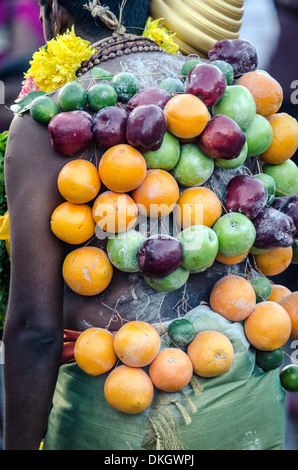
(271, 25)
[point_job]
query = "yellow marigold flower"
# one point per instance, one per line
(56, 63)
(160, 35)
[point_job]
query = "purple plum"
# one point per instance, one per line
(247, 195)
(273, 229)
(206, 82)
(71, 132)
(151, 95)
(146, 127)
(160, 256)
(109, 127)
(288, 205)
(240, 53)
(222, 138)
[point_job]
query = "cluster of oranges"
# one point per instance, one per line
(136, 361)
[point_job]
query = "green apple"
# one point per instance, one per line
(270, 185)
(172, 85)
(167, 156)
(258, 136)
(262, 287)
(226, 69)
(123, 249)
(194, 167)
(235, 162)
(188, 65)
(199, 247)
(169, 283)
(236, 234)
(285, 176)
(237, 103)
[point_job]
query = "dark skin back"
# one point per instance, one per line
(40, 305)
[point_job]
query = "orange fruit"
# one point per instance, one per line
(137, 343)
(233, 297)
(266, 91)
(128, 389)
(114, 212)
(278, 292)
(73, 223)
(171, 370)
(268, 327)
(87, 270)
(211, 353)
(230, 260)
(187, 115)
(122, 168)
(198, 206)
(78, 181)
(290, 304)
(274, 261)
(94, 351)
(285, 139)
(157, 195)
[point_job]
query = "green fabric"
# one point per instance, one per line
(242, 409)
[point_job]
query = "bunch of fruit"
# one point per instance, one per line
(140, 357)
(161, 145)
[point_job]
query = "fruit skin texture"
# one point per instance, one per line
(262, 287)
(289, 378)
(274, 261)
(285, 176)
(222, 138)
(126, 85)
(151, 95)
(187, 116)
(284, 141)
(137, 343)
(157, 195)
(270, 360)
(167, 156)
(128, 389)
(114, 212)
(268, 327)
(122, 168)
(240, 53)
(266, 91)
(247, 195)
(211, 354)
(181, 331)
(198, 206)
(94, 351)
(235, 162)
(109, 127)
(100, 96)
(87, 271)
(258, 136)
(278, 292)
(171, 370)
(160, 256)
(237, 103)
(43, 109)
(193, 168)
(123, 250)
(169, 283)
(270, 185)
(146, 127)
(199, 246)
(73, 223)
(206, 82)
(287, 205)
(70, 132)
(78, 181)
(233, 297)
(290, 304)
(72, 96)
(236, 234)
(273, 229)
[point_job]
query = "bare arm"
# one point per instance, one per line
(34, 327)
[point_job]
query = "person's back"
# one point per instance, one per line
(41, 306)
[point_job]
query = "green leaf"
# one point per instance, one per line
(101, 74)
(25, 103)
